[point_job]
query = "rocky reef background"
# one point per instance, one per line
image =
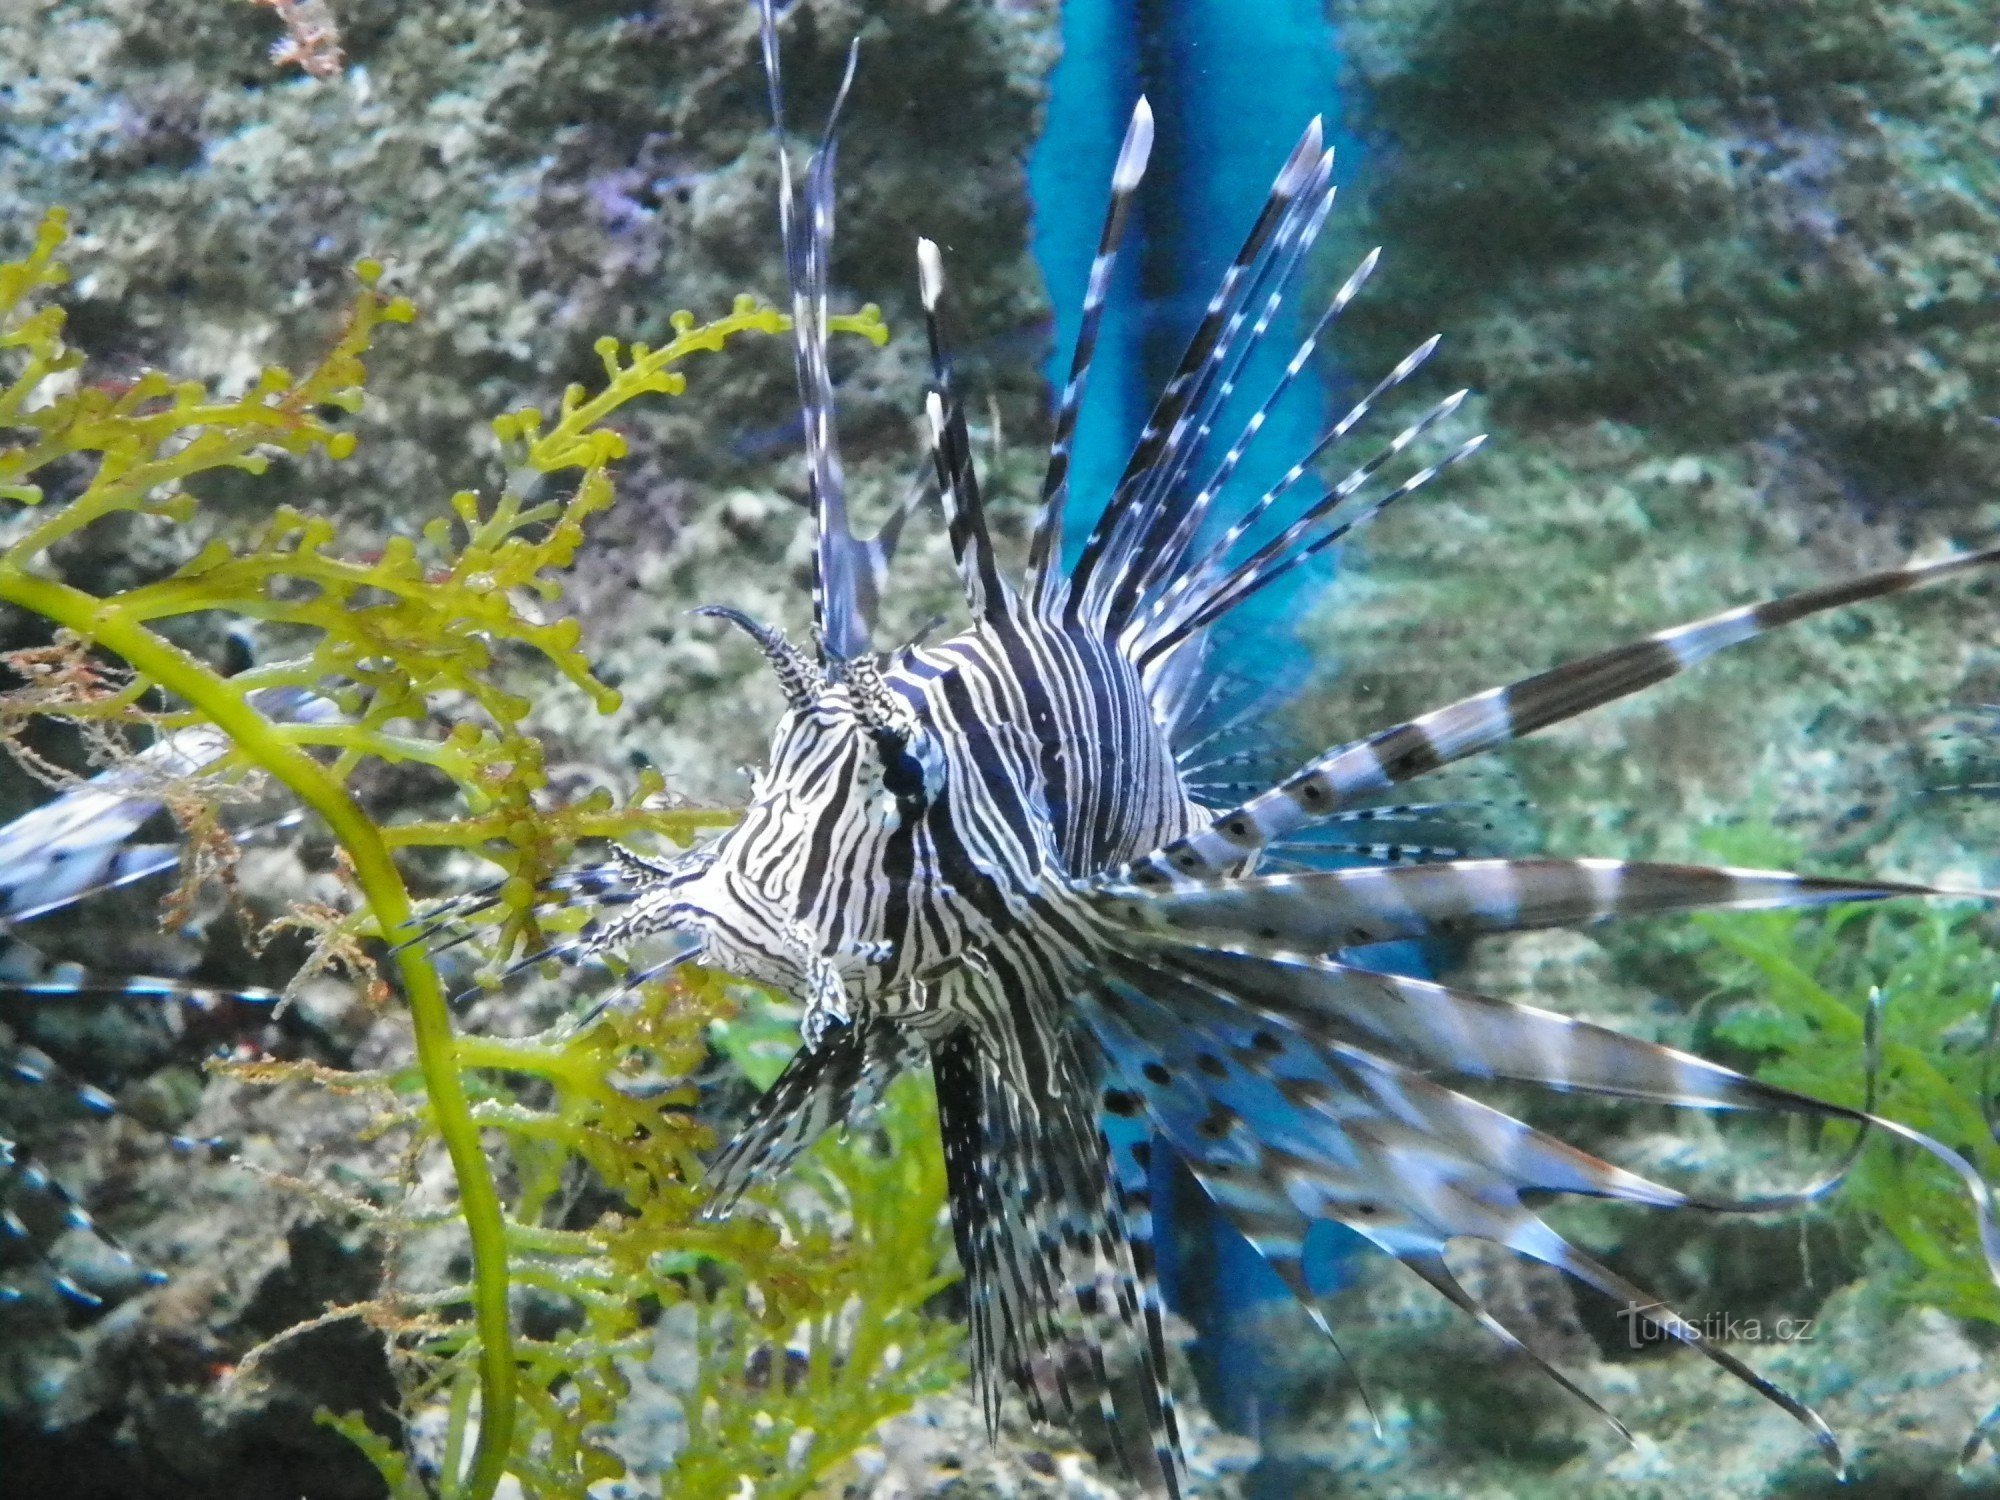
(1722, 276)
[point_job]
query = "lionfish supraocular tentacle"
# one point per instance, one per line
(798, 676)
(985, 852)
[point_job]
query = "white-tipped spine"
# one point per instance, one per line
(930, 273)
(1137, 149)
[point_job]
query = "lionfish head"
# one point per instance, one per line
(829, 840)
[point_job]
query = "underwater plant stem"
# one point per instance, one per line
(382, 886)
(1828, 1010)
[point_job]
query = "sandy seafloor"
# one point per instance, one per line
(1722, 278)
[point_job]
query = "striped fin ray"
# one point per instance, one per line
(1037, 1238)
(1425, 831)
(194, 1011)
(1227, 706)
(1283, 1130)
(30, 1192)
(1129, 1330)
(839, 563)
(1435, 1028)
(1258, 290)
(1260, 1210)
(820, 1088)
(1280, 1242)
(23, 1178)
(993, 1303)
(1171, 556)
(25, 1181)
(1162, 495)
(1328, 910)
(1009, 1295)
(1492, 718)
(63, 877)
(1312, 533)
(1056, 1246)
(1258, 1186)
(58, 880)
(1198, 362)
(879, 551)
(987, 593)
(1296, 857)
(1168, 502)
(78, 844)
(1045, 580)
(618, 881)
(33, 1066)
(1206, 574)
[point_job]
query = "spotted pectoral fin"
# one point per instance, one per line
(1439, 1028)
(1322, 911)
(1283, 1130)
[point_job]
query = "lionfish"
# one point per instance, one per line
(988, 854)
(993, 855)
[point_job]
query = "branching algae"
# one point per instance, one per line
(810, 1324)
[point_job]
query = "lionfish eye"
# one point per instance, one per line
(905, 775)
(902, 769)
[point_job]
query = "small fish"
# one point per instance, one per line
(992, 855)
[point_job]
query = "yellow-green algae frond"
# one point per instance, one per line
(827, 1287)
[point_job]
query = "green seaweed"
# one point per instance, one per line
(1790, 989)
(441, 629)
